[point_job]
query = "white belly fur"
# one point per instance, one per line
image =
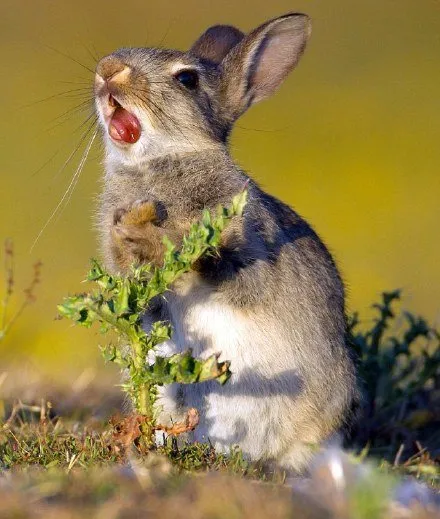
(255, 408)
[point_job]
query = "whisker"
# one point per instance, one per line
(74, 82)
(45, 164)
(81, 166)
(264, 130)
(94, 58)
(74, 109)
(86, 121)
(157, 111)
(171, 22)
(176, 126)
(76, 92)
(69, 114)
(70, 57)
(154, 109)
(96, 53)
(143, 76)
(68, 193)
(83, 138)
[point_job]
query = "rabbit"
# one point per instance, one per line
(272, 300)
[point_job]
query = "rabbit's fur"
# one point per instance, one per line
(272, 302)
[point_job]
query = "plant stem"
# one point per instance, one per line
(143, 400)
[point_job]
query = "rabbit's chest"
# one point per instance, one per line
(209, 326)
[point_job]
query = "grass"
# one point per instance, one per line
(63, 455)
(36, 434)
(71, 465)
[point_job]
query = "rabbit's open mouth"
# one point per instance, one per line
(123, 125)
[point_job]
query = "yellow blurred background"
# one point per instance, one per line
(350, 140)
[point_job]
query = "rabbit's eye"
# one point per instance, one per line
(188, 78)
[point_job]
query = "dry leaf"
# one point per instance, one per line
(190, 423)
(126, 430)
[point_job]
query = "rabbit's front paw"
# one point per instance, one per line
(136, 237)
(138, 214)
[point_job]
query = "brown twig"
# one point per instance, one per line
(422, 450)
(29, 291)
(9, 279)
(399, 455)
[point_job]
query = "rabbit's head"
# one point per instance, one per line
(152, 102)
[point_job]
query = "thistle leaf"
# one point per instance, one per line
(119, 303)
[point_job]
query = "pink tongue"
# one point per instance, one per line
(124, 126)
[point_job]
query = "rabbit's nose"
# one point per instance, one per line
(111, 69)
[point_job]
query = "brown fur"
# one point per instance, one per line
(137, 237)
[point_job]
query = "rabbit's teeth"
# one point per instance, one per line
(113, 102)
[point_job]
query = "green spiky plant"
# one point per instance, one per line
(399, 365)
(119, 302)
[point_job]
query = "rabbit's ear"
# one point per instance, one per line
(257, 66)
(216, 42)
